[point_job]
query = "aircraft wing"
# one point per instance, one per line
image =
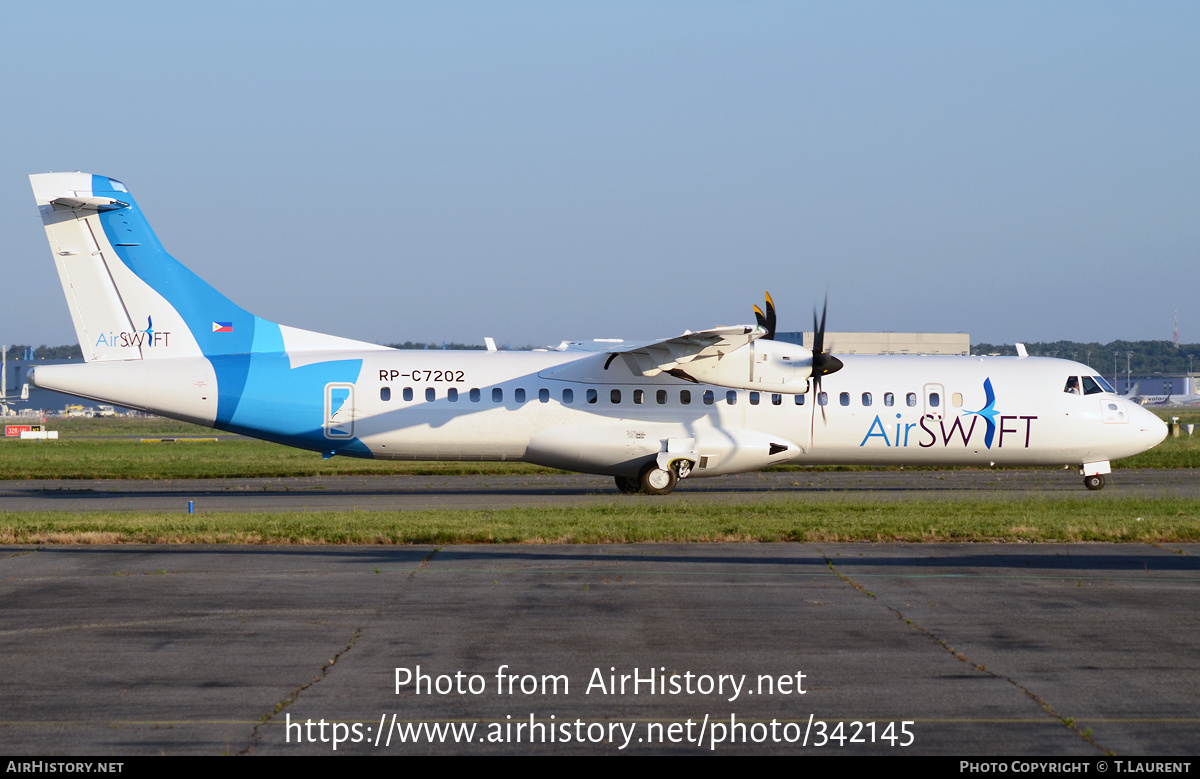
(666, 355)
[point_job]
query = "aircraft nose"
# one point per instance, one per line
(1151, 430)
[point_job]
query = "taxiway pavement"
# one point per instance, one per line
(340, 493)
(996, 649)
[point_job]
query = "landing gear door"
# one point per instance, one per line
(935, 401)
(339, 411)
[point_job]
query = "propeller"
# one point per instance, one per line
(767, 320)
(823, 363)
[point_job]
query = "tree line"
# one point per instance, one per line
(44, 352)
(1145, 357)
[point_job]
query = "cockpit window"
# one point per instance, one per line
(1072, 385)
(1090, 387)
(1104, 385)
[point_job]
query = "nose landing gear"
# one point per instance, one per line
(1093, 474)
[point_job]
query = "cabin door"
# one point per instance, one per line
(339, 411)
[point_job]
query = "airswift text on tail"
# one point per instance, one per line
(157, 337)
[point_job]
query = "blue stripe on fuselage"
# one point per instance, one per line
(259, 393)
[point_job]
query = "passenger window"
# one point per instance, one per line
(385, 393)
(544, 395)
(889, 399)
(639, 397)
(776, 399)
(474, 394)
(799, 400)
(731, 397)
(866, 398)
(519, 394)
(1090, 387)
(956, 399)
(568, 396)
(753, 398)
(935, 400)
(615, 396)
(844, 398)
(429, 394)
(452, 395)
(911, 399)
(408, 393)
(708, 397)
(685, 397)
(591, 396)
(661, 397)
(497, 395)
(823, 398)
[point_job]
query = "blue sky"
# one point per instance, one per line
(541, 171)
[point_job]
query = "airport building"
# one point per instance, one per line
(1158, 385)
(886, 343)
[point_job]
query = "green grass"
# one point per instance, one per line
(112, 449)
(131, 459)
(1165, 520)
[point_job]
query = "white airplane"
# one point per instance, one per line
(1161, 400)
(156, 337)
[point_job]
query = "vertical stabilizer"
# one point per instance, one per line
(129, 299)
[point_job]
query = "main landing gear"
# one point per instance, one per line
(1094, 482)
(654, 480)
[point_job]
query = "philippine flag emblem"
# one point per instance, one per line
(222, 327)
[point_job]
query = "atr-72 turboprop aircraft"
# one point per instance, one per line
(157, 337)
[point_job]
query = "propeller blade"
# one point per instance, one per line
(761, 317)
(823, 363)
(818, 335)
(767, 321)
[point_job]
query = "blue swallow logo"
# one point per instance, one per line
(988, 412)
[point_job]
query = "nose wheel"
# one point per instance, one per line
(1094, 482)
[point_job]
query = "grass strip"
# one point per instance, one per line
(132, 459)
(1160, 520)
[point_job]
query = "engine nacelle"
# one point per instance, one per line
(765, 366)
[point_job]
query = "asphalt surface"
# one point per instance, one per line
(969, 649)
(337, 493)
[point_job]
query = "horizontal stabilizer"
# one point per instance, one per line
(88, 203)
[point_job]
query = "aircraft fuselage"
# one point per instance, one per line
(464, 405)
